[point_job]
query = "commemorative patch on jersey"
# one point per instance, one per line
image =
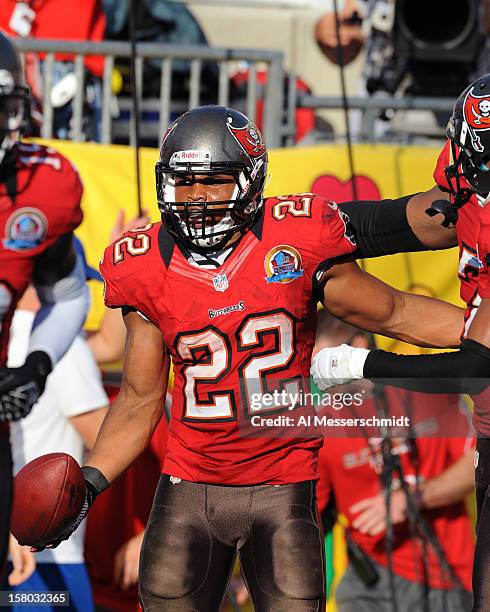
(25, 229)
(283, 264)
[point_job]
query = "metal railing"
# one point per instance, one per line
(261, 4)
(196, 55)
(279, 115)
(370, 107)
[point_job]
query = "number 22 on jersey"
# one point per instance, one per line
(215, 364)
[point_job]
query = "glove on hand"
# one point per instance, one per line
(337, 365)
(20, 388)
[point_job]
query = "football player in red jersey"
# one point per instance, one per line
(40, 195)
(463, 171)
(227, 284)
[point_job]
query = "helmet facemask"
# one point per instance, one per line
(208, 226)
(14, 119)
(469, 133)
(466, 164)
(211, 143)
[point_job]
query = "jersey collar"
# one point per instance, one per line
(166, 245)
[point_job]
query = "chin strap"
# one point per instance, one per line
(459, 195)
(6, 145)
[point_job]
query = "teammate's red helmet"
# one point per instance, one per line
(14, 96)
(469, 133)
(212, 140)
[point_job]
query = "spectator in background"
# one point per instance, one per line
(350, 469)
(162, 21)
(410, 48)
(350, 31)
(66, 419)
(352, 40)
(59, 20)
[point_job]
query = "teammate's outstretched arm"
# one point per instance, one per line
(453, 372)
(426, 228)
(472, 360)
(401, 225)
(366, 302)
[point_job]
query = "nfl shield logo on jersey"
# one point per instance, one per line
(220, 282)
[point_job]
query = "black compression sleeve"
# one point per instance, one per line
(381, 227)
(463, 371)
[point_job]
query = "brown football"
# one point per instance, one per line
(48, 494)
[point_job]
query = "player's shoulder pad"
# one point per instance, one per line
(126, 268)
(56, 174)
(38, 155)
(300, 207)
(126, 255)
(308, 208)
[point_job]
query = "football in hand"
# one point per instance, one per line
(49, 493)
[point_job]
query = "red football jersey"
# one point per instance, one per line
(468, 232)
(85, 21)
(35, 210)
(482, 401)
(350, 467)
(484, 252)
(473, 232)
(236, 334)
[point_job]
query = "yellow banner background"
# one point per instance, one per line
(108, 174)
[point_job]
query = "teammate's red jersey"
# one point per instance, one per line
(484, 248)
(39, 202)
(473, 232)
(467, 231)
(85, 21)
(235, 333)
(350, 467)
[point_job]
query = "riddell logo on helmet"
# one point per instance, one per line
(191, 154)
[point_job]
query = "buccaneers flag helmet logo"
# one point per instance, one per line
(477, 115)
(249, 139)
